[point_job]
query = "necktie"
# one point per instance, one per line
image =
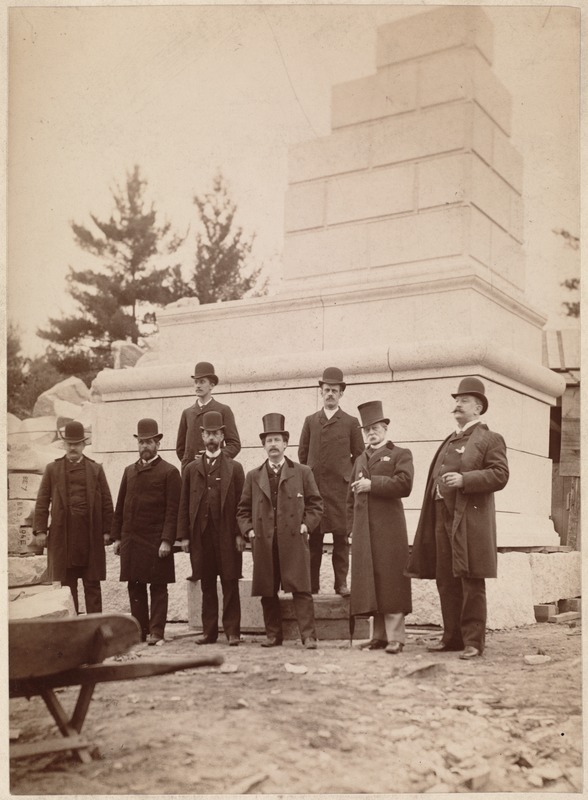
(276, 468)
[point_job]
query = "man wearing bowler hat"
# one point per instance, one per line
(455, 542)
(382, 475)
(280, 504)
(75, 489)
(189, 441)
(208, 529)
(144, 530)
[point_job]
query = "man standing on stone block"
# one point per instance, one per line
(144, 530)
(189, 442)
(455, 542)
(208, 529)
(381, 477)
(280, 504)
(75, 489)
(329, 444)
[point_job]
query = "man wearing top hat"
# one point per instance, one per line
(382, 475)
(75, 489)
(144, 530)
(280, 504)
(455, 542)
(208, 529)
(329, 443)
(189, 440)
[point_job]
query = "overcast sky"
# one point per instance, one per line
(186, 90)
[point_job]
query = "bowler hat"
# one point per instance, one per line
(212, 421)
(475, 387)
(204, 369)
(73, 432)
(332, 376)
(147, 429)
(371, 412)
(273, 423)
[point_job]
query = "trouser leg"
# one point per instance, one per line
(93, 597)
(272, 617)
(304, 610)
(315, 544)
(449, 587)
(159, 602)
(340, 559)
(209, 605)
(473, 614)
(139, 605)
(71, 581)
(231, 607)
(394, 624)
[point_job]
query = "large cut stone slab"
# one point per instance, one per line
(56, 601)
(72, 390)
(26, 570)
(555, 576)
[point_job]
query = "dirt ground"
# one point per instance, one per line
(334, 720)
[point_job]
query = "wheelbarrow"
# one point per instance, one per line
(46, 654)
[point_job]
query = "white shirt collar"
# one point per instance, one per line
(330, 412)
(281, 464)
(467, 425)
(213, 455)
(150, 460)
(202, 405)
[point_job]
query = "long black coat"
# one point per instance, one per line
(146, 514)
(53, 494)
(189, 441)
(299, 502)
(194, 488)
(330, 447)
(484, 467)
(379, 544)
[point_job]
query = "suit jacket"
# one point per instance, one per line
(329, 447)
(299, 502)
(146, 514)
(53, 495)
(189, 440)
(484, 467)
(379, 544)
(191, 523)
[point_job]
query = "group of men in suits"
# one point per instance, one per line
(283, 509)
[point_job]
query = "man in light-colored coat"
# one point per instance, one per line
(455, 542)
(208, 530)
(329, 443)
(279, 505)
(74, 488)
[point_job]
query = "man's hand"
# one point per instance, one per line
(107, 540)
(349, 535)
(40, 539)
(250, 535)
(185, 545)
(303, 528)
(453, 479)
(240, 543)
(361, 485)
(165, 549)
(116, 547)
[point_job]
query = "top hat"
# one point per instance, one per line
(475, 387)
(73, 432)
(212, 421)
(204, 369)
(273, 423)
(371, 413)
(332, 376)
(147, 429)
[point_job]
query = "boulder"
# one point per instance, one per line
(72, 390)
(26, 570)
(56, 601)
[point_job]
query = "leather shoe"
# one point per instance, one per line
(152, 639)
(271, 642)
(234, 641)
(470, 652)
(373, 644)
(311, 644)
(441, 647)
(204, 640)
(394, 647)
(344, 591)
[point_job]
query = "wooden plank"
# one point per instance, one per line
(570, 433)
(567, 616)
(40, 647)
(50, 746)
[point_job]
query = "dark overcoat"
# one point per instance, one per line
(194, 488)
(484, 467)
(299, 502)
(379, 544)
(53, 493)
(189, 441)
(329, 447)
(146, 514)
